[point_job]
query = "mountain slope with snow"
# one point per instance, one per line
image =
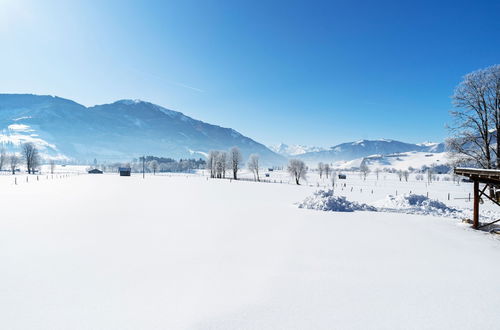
(364, 148)
(399, 161)
(118, 131)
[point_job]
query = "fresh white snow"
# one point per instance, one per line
(187, 252)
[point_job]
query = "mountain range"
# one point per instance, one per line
(354, 150)
(127, 129)
(364, 148)
(119, 131)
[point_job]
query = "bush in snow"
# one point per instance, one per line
(324, 200)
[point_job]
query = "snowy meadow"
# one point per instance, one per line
(183, 251)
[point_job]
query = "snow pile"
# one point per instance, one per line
(324, 200)
(485, 215)
(416, 204)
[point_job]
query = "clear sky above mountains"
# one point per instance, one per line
(309, 72)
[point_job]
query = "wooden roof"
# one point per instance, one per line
(480, 175)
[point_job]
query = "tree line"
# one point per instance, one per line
(154, 164)
(222, 164)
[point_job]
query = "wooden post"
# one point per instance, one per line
(475, 219)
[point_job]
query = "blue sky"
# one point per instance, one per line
(306, 72)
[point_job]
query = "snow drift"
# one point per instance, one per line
(416, 204)
(324, 200)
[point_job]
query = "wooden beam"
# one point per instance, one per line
(475, 223)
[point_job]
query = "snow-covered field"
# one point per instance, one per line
(187, 252)
(373, 189)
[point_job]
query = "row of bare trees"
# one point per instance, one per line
(10, 160)
(324, 169)
(30, 155)
(220, 162)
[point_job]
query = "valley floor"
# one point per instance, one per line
(187, 252)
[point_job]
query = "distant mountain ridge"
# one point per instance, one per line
(294, 149)
(364, 148)
(119, 131)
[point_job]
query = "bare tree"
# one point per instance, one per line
(365, 170)
(321, 168)
(13, 162)
(477, 119)
(153, 165)
(327, 170)
(493, 103)
(429, 175)
(142, 159)
(52, 166)
(217, 163)
(406, 175)
(212, 162)
(30, 155)
(222, 164)
(400, 175)
(297, 169)
(235, 160)
(377, 172)
(209, 163)
(253, 166)
(3, 158)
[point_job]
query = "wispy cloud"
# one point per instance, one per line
(187, 86)
(174, 83)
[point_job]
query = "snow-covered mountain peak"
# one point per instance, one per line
(128, 101)
(140, 105)
(364, 141)
(427, 144)
(293, 150)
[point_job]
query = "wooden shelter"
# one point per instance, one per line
(490, 179)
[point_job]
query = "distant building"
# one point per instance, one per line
(95, 171)
(124, 171)
(342, 176)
